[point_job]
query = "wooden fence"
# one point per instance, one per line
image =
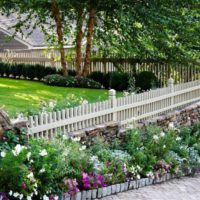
(125, 110)
(181, 73)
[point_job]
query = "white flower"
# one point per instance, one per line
(56, 197)
(21, 196)
(171, 125)
(43, 152)
(138, 176)
(16, 194)
(76, 139)
(28, 155)
(82, 148)
(45, 197)
(31, 177)
(178, 138)
(11, 193)
(31, 161)
(84, 102)
(29, 198)
(3, 154)
(35, 192)
(18, 149)
(162, 134)
(42, 170)
(150, 174)
(65, 137)
(52, 104)
(164, 146)
(155, 137)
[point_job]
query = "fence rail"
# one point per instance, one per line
(125, 110)
(180, 72)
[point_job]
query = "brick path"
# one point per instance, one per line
(187, 188)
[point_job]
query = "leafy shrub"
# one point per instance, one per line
(119, 81)
(84, 82)
(70, 81)
(71, 72)
(11, 138)
(27, 71)
(146, 80)
(97, 76)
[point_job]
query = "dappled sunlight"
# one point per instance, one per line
(27, 97)
(8, 86)
(49, 94)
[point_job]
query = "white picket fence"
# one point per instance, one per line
(125, 110)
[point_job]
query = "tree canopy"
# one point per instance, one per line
(159, 29)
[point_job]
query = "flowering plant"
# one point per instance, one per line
(70, 187)
(161, 168)
(92, 180)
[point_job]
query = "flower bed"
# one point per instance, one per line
(68, 169)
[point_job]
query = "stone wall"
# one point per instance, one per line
(112, 130)
(183, 117)
(108, 131)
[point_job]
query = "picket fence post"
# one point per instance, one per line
(171, 86)
(112, 97)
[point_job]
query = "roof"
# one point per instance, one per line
(36, 40)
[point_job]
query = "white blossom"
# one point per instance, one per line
(82, 148)
(43, 152)
(162, 134)
(16, 194)
(138, 176)
(10, 193)
(155, 137)
(164, 146)
(3, 154)
(56, 197)
(76, 139)
(178, 138)
(65, 137)
(21, 196)
(29, 198)
(45, 197)
(18, 149)
(28, 155)
(42, 170)
(31, 177)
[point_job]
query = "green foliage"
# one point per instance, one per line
(70, 81)
(11, 138)
(146, 80)
(27, 71)
(97, 76)
(119, 81)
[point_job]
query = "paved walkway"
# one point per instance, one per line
(187, 188)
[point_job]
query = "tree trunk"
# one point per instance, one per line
(56, 14)
(91, 21)
(79, 38)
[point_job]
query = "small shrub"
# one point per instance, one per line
(97, 76)
(84, 82)
(146, 80)
(70, 81)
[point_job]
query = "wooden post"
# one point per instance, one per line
(112, 97)
(171, 86)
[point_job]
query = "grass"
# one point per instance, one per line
(20, 95)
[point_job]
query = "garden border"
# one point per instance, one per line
(121, 187)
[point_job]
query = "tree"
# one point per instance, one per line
(43, 13)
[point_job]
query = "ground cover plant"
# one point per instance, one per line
(22, 96)
(46, 169)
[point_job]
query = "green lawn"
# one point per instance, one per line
(20, 95)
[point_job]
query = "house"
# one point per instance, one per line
(35, 42)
